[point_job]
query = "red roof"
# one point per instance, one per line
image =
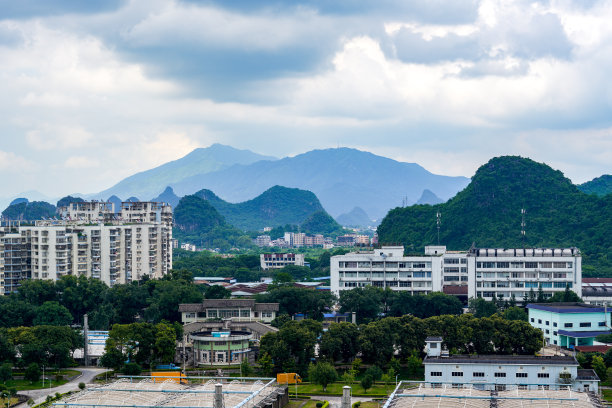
(455, 289)
(593, 349)
(596, 280)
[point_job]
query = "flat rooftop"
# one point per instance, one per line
(501, 359)
(150, 392)
(566, 307)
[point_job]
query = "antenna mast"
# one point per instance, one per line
(438, 220)
(523, 226)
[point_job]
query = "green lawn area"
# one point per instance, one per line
(294, 404)
(369, 404)
(607, 394)
(22, 385)
(312, 404)
(336, 388)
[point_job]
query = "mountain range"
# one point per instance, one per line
(487, 213)
(341, 178)
(600, 186)
(149, 183)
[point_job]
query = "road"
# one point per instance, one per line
(87, 375)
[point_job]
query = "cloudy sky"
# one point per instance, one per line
(91, 92)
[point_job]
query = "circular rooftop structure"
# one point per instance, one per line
(220, 347)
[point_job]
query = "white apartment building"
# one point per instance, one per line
(89, 241)
(486, 273)
(280, 260)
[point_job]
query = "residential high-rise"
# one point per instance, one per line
(90, 240)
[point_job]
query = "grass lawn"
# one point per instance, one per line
(294, 404)
(336, 388)
(607, 394)
(370, 404)
(14, 400)
(22, 385)
(312, 404)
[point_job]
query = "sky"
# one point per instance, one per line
(92, 92)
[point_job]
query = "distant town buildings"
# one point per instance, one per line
(291, 240)
(479, 272)
(92, 240)
(280, 260)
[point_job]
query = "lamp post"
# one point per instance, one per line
(396, 380)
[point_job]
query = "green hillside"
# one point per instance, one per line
(198, 222)
(488, 213)
(600, 186)
(275, 206)
(321, 223)
(29, 211)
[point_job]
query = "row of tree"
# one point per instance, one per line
(66, 300)
(291, 349)
(51, 346)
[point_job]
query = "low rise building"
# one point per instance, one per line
(234, 309)
(569, 324)
(280, 260)
(500, 372)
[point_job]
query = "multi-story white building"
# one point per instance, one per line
(280, 260)
(90, 240)
(486, 273)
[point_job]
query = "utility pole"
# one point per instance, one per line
(85, 335)
(523, 226)
(438, 221)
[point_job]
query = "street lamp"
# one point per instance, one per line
(396, 380)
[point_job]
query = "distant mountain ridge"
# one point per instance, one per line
(355, 218)
(341, 178)
(150, 183)
(600, 186)
(488, 213)
(274, 207)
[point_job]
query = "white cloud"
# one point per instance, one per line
(52, 137)
(12, 163)
(81, 162)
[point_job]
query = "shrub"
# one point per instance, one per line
(81, 386)
(131, 369)
(319, 404)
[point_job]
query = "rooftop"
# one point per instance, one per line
(566, 307)
(501, 359)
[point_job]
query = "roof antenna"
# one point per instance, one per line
(438, 220)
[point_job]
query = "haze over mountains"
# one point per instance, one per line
(341, 178)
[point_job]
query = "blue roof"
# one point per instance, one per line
(582, 334)
(566, 307)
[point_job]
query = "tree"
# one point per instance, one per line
(340, 342)
(82, 386)
(6, 372)
(349, 377)
(131, 369)
(322, 373)
(541, 297)
(217, 292)
(515, 313)
(375, 372)
(32, 373)
(565, 296)
(366, 382)
(165, 343)
(481, 308)
(356, 365)
(599, 366)
(366, 302)
(52, 314)
(245, 368)
(265, 364)
(112, 358)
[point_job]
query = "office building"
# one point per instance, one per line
(479, 272)
(234, 309)
(569, 324)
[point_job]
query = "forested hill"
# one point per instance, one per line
(275, 206)
(488, 213)
(600, 185)
(29, 211)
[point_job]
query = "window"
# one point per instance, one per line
(457, 374)
(539, 321)
(451, 260)
(585, 324)
(433, 345)
(543, 375)
(554, 324)
(478, 374)
(547, 331)
(532, 320)
(522, 387)
(568, 325)
(500, 375)
(531, 264)
(554, 334)
(436, 373)
(547, 323)
(602, 324)
(521, 375)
